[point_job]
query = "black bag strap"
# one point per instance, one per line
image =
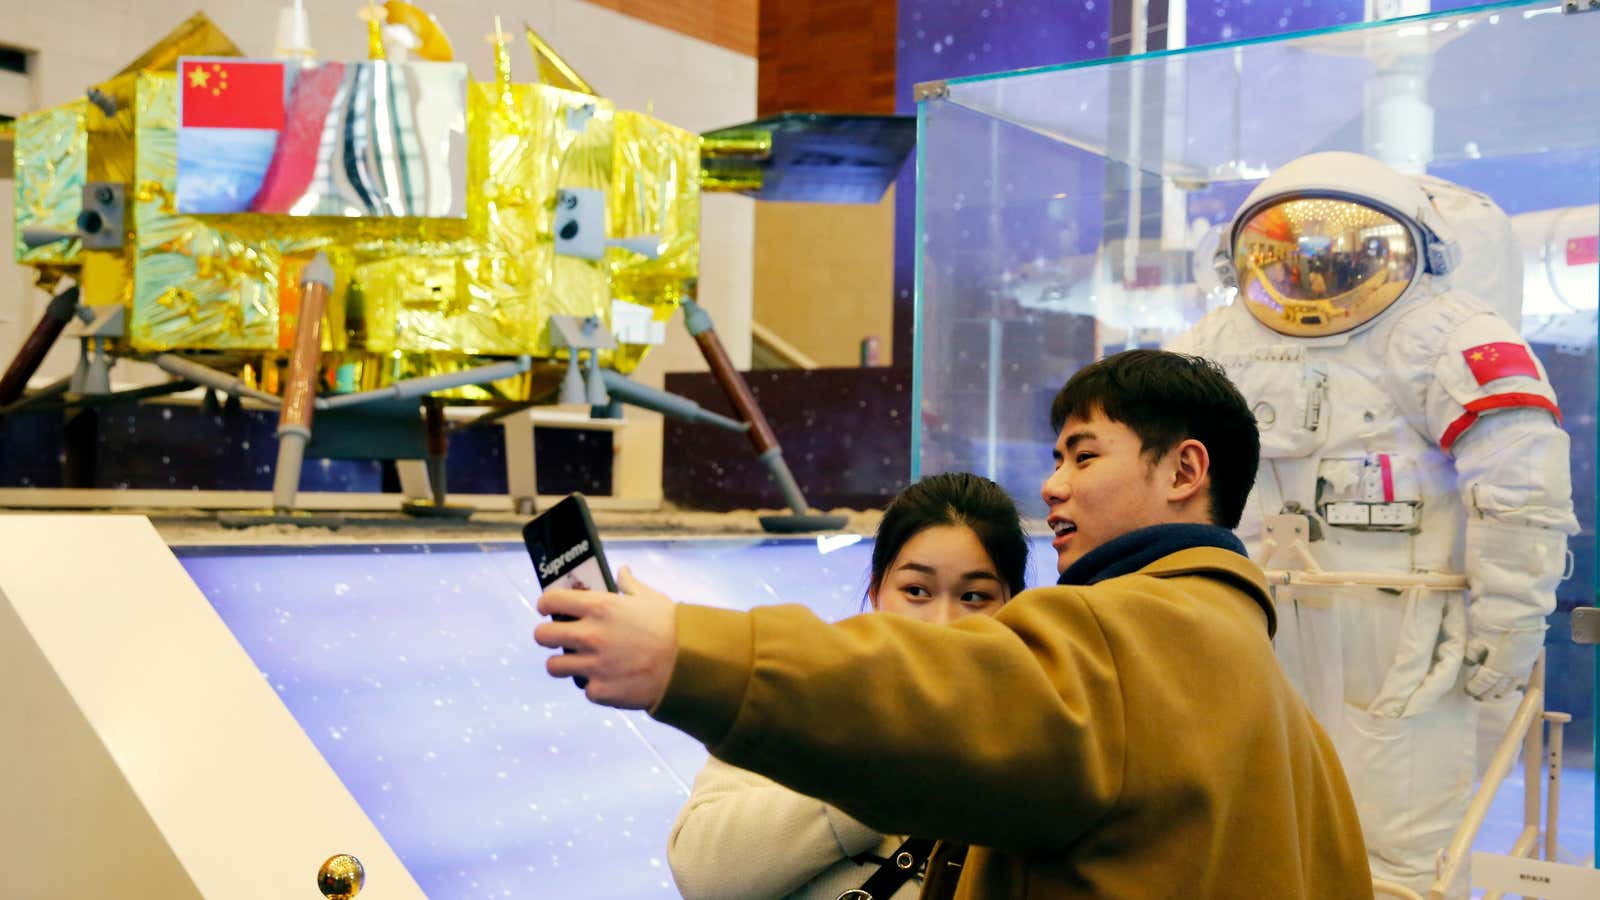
(902, 865)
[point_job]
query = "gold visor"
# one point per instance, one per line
(1317, 266)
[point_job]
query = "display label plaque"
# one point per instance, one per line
(1534, 877)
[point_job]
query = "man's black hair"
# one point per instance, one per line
(1166, 398)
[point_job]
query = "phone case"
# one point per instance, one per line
(565, 550)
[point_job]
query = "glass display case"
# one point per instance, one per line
(1066, 213)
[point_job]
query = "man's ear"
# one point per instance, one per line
(1191, 465)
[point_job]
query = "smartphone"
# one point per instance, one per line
(566, 551)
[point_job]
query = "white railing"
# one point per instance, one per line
(1289, 535)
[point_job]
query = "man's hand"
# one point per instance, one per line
(624, 645)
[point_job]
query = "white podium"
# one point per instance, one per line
(142, 754)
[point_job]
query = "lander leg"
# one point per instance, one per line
(28, 359)
(761, 435)
(438, 450)
(300, 389)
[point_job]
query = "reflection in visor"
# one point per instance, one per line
(1312, 266)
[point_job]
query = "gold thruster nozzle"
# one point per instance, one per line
(341, 877)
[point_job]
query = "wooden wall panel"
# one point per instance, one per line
(826, 56)
(833, 56)
(726, 23)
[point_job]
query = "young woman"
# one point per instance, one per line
(949, 546)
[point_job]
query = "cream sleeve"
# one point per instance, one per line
(743, 837)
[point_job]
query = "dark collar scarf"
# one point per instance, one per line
(1133, 551)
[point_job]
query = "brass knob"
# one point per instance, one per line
(341, 877)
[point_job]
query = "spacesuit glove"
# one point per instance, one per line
(1512, 572)
(1500, 663)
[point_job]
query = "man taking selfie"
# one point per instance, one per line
(1125, 733)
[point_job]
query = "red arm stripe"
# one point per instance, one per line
(1496, 401)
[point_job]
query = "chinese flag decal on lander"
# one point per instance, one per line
(1501, 359)
(231, 112)
(227, 94)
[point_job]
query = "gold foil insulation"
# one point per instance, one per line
(435, 44)
(578, 287)
(107, 275)
(50, 158)
(553, 69)
(197, 36)
(412, 297)
(655, 190)
(739, 154)
(196, 284)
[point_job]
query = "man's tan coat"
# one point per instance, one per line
(1130, 739)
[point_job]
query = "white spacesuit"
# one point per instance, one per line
(1401, 411)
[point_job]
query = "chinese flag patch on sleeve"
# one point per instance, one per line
(1583, 251)
(224, 93)
(1501, 359)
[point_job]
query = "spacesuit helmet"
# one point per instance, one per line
(1331, 240)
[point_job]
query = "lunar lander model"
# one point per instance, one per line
(321, 235)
